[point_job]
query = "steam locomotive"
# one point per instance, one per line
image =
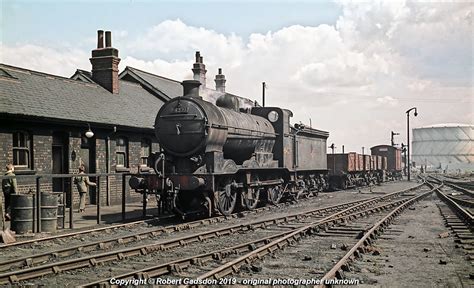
(221, 158)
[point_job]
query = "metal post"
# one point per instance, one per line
(123, 197)
(98, 199)
(71, 213)
(408, 139)
(144, 203)
(34, 213)
(263, 93)
(38, 205)
(63, 224)
(404, 150)
(408, 143)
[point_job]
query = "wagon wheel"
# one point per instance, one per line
(250, 198)
(226, 197)
(274, 194)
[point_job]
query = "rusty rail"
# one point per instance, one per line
(282, 242)
(92, 260)
(180, 264)
(462, 213)
(104, 244)
(367, 240)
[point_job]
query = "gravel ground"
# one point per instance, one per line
(412, 254)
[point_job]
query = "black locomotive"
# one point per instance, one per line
(219, 158)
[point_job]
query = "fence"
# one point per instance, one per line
(69, 195)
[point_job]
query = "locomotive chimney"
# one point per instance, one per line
(220, 81)
(199, 70)
(105, 63)
(191, 88)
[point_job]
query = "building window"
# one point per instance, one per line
(122, 152)
(22, 150)
(145, 151)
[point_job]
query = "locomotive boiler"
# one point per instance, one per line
(217, 158)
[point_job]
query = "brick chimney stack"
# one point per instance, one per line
(105, 63)
(220, 81)
(199, 70)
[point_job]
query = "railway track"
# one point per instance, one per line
(460, 200)
(147, 248)
(458, 216)
(130, 225)
(361, 247)
(70, 236)
(77, 245)
(250, 251)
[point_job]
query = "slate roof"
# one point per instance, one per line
(169, 87)
(35, 94)
(172, 88)
(29, 93)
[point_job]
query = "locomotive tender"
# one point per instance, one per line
(219, 157)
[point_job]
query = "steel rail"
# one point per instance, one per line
(461, 201)
(368, 239)
(118, 226)
(462, 213)
(460, 189)
(180, 264)
(31, 260)
(233, 266)
(76, 233)
(104, 244)
(92, 260)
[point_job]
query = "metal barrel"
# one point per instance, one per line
(49, 212)
(61, 209)
(22, 213)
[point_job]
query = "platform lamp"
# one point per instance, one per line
(333, 147)
(408, 138)
(89, 134)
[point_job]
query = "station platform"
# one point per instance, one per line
(88, 219)
(111, 214)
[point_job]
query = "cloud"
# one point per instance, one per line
(355, 78)
(60, 61)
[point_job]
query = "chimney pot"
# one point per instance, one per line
(108, 39)
(105, 63)
(100, 39)
(199, 70)
(220, 81)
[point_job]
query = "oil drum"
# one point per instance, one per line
(49, 212)
(22, 213)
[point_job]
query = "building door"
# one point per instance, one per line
(88, 159)
(60, 161)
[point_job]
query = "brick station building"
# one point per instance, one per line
(44, 119)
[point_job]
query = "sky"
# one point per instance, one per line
(353, 67)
